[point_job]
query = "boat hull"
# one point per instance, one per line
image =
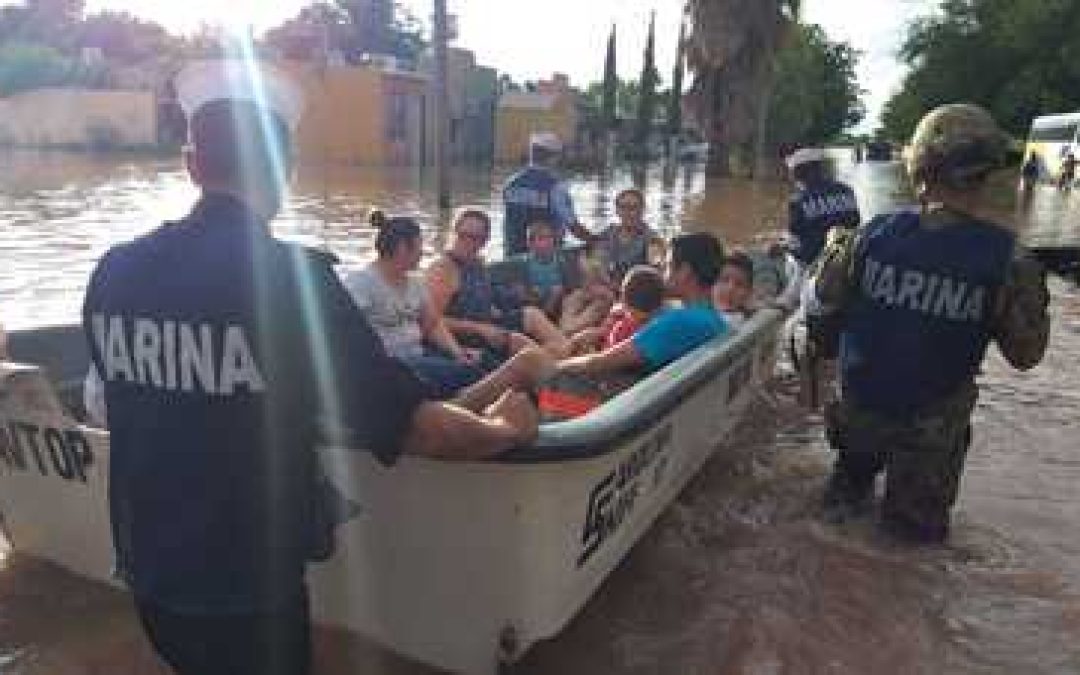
(458, 565)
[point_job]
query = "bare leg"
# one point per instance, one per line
(573, 304)
(584, 312)
(523, 372)
(540, 328)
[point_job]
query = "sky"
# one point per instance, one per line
(530, 40)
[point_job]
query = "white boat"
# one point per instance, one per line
(459, 565)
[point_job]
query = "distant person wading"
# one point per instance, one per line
(538, 193)
(818, 204)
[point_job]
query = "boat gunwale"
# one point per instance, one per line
(600, 431)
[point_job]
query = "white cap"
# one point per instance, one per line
(546, 140)
(804, 156)
(202, 82)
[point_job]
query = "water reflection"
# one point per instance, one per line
(59, 212)
(1051, 217)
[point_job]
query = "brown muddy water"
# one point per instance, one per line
(738, 576)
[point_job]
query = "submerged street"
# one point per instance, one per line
(739, 575)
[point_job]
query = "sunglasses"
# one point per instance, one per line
(628, 206)
(476, 237)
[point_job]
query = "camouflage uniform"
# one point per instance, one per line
(922, 457)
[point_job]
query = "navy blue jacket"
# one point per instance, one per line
(918, 322)
(534, 193)
(225, 353)
(814, 209)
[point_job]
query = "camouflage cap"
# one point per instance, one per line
(955, 144)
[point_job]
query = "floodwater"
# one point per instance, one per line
(739, 576)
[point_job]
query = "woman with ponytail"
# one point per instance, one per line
(396, 305)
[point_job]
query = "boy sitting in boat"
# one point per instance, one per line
(733, 294)
(641, 297)
(567, 395)
(692, 268)
(559, 283)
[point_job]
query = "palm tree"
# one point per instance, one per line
(731, 51)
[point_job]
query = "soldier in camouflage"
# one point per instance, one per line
(911, 302)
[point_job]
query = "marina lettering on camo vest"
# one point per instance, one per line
(177, 356)
(931, 294)
(829, 205)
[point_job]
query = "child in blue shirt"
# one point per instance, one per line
(557, 282)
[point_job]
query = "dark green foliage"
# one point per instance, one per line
(24, 67)
(1018, 58)
(124, 38)
(609, 111)
(626, 98)
(47, 22)
(816, 94)
(674, 112)
(648, 83)
(353, 27)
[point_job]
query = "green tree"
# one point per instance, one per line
(57, 10)
(351, 27)
(1018, 59)
(627, 93)
(382, 27)
(732, 48)
(816, 95)
(316, 28)
(46, 22)
(609, 105)
(675, 96)
(123, 38)
(650, 78)
(25, 67)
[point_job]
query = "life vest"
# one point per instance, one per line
(916, 325)
(816, 208)
(527, 196)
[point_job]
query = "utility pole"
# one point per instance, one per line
(442, 107)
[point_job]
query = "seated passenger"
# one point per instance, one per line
(627, 243)
(395, 304)
(462, 292)
(693, 266)
(642, 296)
(549, 274)
(733, 294)
(561, 284)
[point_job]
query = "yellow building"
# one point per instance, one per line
(367, 115)
(67, 117)
(551, 108)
